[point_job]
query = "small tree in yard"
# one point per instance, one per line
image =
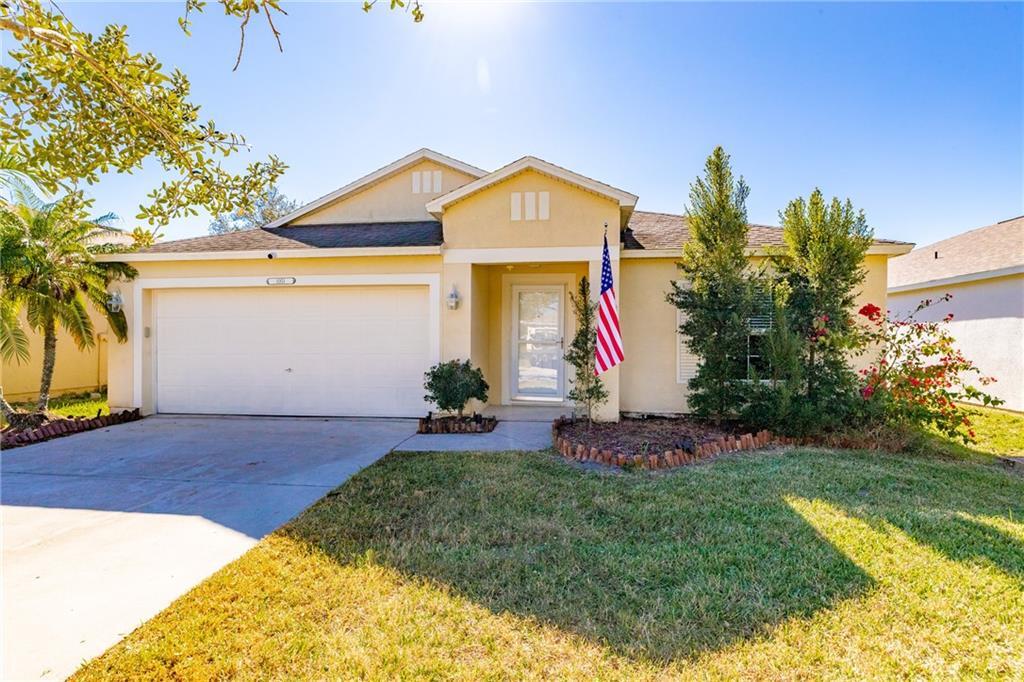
(716, 296)
(587, 388)
(450, 385)
(816, 278)
(822, 268)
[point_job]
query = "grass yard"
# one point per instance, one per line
(71, 405)
(80, 405)
(1000, 432)
(506, 566)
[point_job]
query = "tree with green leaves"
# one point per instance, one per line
(820, 270)
(77, 105)
(716, 291)
(48, 270)
(588, 391)
(264, 209)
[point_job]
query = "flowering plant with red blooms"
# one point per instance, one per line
(871, 311)
(920, 375)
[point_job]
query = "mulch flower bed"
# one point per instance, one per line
(659, 443)
(55, 428)
(468, 424)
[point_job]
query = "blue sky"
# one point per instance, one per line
(914, 111)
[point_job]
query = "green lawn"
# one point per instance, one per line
(71, 405)
(79, 405)
(506, 566)
(999, 432)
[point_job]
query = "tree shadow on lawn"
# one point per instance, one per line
(653, 566)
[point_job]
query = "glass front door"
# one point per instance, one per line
(538, 368)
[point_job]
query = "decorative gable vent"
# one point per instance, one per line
(426, 182)
(530, 206)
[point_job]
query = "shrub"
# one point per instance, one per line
(779, 401)
(450, 385)
(920, 375)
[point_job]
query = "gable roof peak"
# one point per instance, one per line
(626, 200)
(421, 154)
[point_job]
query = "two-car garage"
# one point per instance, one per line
(291, 350)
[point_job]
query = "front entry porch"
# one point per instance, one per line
(514, 320)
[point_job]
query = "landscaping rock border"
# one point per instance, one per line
(581, 452)
(64, 427)
(470, 424)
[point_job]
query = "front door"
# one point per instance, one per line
(538, 370)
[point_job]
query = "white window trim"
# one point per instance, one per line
(516, 206)
(543, 205)
(417, 188)
(431, 280)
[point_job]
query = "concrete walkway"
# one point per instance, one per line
(507, 435)
(102, 530)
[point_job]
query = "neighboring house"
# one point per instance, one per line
(76, 370)
(339, 307)
(984, 271)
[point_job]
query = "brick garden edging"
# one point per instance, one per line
(581, 452)
(63, 427)
(467, 424)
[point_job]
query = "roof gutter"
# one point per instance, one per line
(283, 254)
(959, 279)
(876, 249)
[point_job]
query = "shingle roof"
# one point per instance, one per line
(355, 235)
(987, 248)
(653, 231)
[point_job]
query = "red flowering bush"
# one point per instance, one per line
(920, 375)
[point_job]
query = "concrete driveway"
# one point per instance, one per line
(103, 529)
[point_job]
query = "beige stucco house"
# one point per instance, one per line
(983, 269)
(339, 307)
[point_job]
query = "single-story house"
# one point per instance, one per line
(339, 307)
(984, 271)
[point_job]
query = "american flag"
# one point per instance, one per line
(608, 352)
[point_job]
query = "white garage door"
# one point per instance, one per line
(336, 351)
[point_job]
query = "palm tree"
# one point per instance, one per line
(48, 270)
(15, 175)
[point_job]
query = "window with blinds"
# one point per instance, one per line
(755, 362)
(764, 312)
(686, 362)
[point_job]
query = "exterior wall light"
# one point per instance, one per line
(115, 301)
(454, 299)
